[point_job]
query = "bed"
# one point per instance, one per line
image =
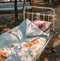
(27, 41)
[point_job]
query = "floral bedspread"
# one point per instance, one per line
(19, 45)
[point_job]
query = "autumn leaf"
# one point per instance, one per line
(46, 59)
(57, 42)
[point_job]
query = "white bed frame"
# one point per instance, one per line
(52, 14)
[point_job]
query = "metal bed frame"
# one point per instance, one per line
(43, 14)
(51, 14)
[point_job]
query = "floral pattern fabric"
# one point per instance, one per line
(21, 47)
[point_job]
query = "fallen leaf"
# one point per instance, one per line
(5, 30)
(59, 36)
(13, 21)
(56, 32)
(57, 42)
(46, 59)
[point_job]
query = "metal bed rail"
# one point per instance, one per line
(49, 14)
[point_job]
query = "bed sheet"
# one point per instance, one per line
(21, 47)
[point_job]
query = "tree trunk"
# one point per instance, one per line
(16, 10)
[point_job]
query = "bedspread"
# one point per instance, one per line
(21, 47)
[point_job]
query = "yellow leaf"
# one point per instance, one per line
(46, 59)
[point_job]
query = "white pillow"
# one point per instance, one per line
(43, 25)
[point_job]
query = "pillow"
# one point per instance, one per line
(43, 25)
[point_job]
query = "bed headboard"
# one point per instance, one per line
(40, 13)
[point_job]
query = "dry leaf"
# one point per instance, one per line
(58, 36)
(5, 30)
(46, 59)
(57, 42)
(56, 32)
